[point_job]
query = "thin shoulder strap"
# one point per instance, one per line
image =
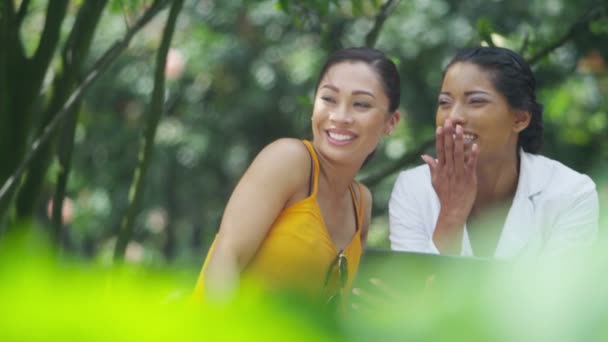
(314, 172)
(361, 208)
(359, 204)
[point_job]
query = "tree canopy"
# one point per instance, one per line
(141, 130)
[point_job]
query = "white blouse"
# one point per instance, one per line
(555, 210)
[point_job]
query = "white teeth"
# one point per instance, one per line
(340, 137)
(469, 137)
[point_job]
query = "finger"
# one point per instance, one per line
(384, 287)
(459, 166)
(363, 309)
(430, 161)
(430, 280)
(472, 162)
(448, 146)
(439, 146)
(367, 299)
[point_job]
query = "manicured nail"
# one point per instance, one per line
(375, 281)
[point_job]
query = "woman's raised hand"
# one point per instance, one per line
(454, 179)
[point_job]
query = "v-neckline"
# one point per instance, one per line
(326, 230)
(315, 172)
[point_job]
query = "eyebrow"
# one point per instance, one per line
(363, 92)
(467, 93)
(355, 92)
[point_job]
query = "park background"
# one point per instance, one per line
(139, 117)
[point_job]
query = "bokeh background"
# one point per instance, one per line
(238, 75)
(139, 116)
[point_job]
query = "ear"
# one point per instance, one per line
(392, 122)
(522, 120)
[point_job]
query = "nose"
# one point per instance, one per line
(457, 115)
(341, 115)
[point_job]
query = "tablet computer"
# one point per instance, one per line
(411, 272)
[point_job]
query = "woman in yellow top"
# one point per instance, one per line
(298, 220)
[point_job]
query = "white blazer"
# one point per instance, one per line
(555, 210)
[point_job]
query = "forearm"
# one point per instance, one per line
(221, 276)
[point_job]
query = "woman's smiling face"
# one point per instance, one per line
(469, 98)
(350, 113)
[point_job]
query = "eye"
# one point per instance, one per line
(362, 104)
(442, 102)
(328, 99)
(477, 100)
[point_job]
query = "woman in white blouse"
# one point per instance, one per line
(488, 192)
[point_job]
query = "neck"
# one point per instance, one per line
(497, 181)
(336, 178)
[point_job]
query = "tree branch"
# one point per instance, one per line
(22, 11)
(409, 158)
(100, 66)
(146, 148)
(9, 35)
(524, 44)
(7, 9)
(64, 154)
(74, 54)
(81, 35)
(49, 38)
(580, 24)
(385, 11)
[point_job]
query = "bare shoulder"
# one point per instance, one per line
(286, 153)
(286, 147)
(285, 160)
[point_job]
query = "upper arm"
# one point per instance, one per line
(274, 176)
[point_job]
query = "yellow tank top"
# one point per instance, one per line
(298, 250)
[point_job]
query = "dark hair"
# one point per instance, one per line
(385, 68)
(513, 78)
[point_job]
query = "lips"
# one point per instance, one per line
(340, 137)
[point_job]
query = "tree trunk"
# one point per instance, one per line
(147, 145)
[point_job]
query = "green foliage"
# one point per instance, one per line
(599, 26)
(47, 297)
(241, 74)
(244, 73)
(485, 30)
